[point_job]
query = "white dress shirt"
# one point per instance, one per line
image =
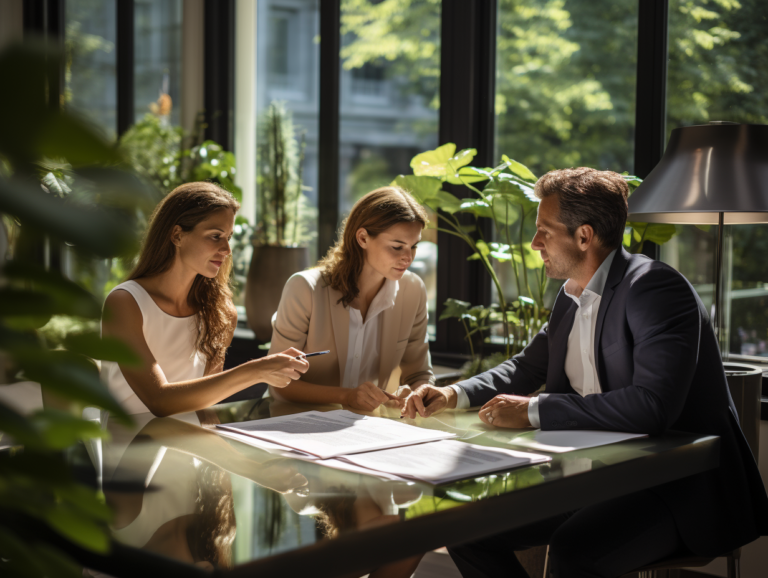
(363, 352)
(580, 356)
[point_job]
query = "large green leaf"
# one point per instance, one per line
(26, 309)
(87, 500)
(68, 137)
(113, 187)
(102, 348)
(70, 376)
(505, 208)
(658, 233)
(512, 188)
(70, 523)
(69, 298)
(519, 169)
(62, 430)
(22, 559)
(422, 188)
(454, 308)
(445, 202)
(443, 162)
(483, 251)
(632, 181)
(532, 257)
(19, 428)
(98, 231)
(469, 175)
(477, 207)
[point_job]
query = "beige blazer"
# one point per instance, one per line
(310, 318)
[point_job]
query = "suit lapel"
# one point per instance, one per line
(557, 380)
(340, 322)
(390, 323)
(615, 275)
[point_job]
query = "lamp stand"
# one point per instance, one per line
(717, 305)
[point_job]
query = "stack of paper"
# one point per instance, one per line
(348, 441)
(335, 433)
(443, 461)
(567, 441)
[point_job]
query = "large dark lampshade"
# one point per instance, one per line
(707, 170)
(714, 174)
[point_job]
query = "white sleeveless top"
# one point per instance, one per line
(171, 341)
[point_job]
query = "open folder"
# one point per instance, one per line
(345, 440)
(335, 433)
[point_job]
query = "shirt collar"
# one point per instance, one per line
(384, 299)
(596, 285)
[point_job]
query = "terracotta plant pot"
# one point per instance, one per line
(270, 269)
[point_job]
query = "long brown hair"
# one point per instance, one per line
(375, 212)
(186, 206)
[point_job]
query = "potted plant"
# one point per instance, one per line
(279, 239)
(503, 194)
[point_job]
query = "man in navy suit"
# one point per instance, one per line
(628, 347)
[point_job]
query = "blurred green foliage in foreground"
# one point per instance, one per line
(60, 184)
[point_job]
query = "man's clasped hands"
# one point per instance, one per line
(507, 411)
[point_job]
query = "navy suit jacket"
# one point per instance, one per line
(659, 367)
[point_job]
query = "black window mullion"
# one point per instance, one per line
(125, 41)
(328, 124)
(45, 19)
(467, 93)
(219, 71)
(651, 100)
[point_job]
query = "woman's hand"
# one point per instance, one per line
(368, 397)
(280, 369)
(401, 394)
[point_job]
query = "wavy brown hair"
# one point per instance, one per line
(375, 212)
(186, 206)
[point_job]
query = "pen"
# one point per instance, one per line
(305, 355)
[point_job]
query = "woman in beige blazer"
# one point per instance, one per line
(363, 305)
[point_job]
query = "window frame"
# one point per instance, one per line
(467, 92)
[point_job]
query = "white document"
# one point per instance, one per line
(335, 433)
(443, 461)
(567, 441)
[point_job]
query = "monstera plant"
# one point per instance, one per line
(504, 196)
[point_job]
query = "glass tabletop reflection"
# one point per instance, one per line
(179, 489)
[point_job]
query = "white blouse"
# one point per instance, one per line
(364, 351)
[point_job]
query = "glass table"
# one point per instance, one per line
(185, 496)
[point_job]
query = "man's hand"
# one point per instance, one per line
(509, 411)
(368, 397)
(428, 400)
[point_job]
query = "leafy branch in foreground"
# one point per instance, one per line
(60, 184)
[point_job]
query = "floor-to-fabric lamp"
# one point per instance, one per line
(713, 174)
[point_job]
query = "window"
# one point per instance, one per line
(716, 58)
(158, 59)
(287, 55)
(91, 63)
(282, 55)
(389, 106)
(565, 97)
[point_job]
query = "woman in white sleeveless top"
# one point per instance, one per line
(176, 312)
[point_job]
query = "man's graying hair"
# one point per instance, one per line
(589, 197)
